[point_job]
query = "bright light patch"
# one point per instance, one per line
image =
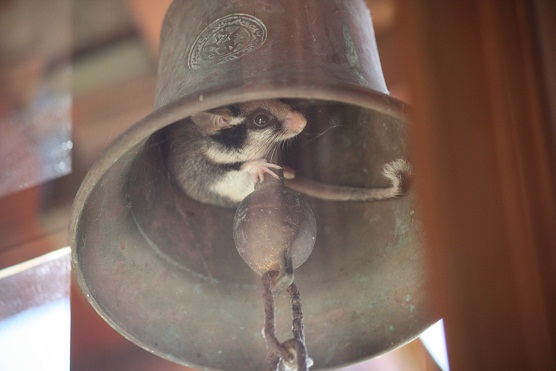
(35, 314)
(435, 342)
(37, 339)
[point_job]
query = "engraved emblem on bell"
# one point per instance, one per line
(227, 39)
(158, 247)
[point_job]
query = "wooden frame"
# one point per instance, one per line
(484, 158)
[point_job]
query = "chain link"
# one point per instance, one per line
(291, 354)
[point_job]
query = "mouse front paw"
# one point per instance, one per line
(258, 168)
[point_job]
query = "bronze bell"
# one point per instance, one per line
(162, 268)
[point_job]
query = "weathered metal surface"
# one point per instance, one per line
(163, 270)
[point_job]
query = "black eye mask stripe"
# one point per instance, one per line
(233, 166)
(234, 137)
(235, 110)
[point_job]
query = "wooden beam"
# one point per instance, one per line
(485, 173)
(148, 16)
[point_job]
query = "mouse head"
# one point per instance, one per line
(257, 115)
(249, 130)
(263, 114)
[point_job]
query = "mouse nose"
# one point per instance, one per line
(295, 122)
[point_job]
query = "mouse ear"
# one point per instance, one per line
(213, 120)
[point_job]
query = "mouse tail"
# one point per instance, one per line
(398, 172)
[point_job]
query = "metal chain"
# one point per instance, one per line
(291, 354)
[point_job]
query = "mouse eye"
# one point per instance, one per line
(261, 120)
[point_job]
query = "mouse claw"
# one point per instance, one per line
(258, 168)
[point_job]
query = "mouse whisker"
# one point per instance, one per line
(318, 135)
(287, 144)
(274, 150)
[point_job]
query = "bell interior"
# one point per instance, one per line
(163, 269)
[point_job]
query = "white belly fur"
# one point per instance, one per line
(236, 185)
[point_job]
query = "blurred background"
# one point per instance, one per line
(76, 73)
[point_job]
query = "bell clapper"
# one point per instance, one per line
(274, 233)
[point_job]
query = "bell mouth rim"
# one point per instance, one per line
(185, 106)
(174, 111)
